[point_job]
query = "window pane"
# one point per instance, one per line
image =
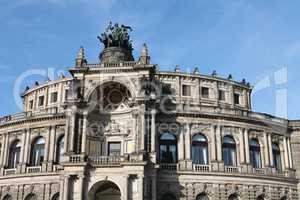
(236, 98)
(205, 92)
(221, 95)
(186, 90)
(41, 100)
(114, 148)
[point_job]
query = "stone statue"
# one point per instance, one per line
(116, 36)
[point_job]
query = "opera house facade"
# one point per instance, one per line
(121, 129)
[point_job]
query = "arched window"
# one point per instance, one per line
(284, 198)
(55, 196)
(276, 156)
(7, 197)
(200, 149)
(37, 151)
(255, 157)
(229, 151)
(31, 196)
(261, 197)
(202, 196)
(168, 148)
(168, 196)
(14, 154)
(60, 149)
(233, 197)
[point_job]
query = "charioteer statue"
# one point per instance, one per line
(117, 44)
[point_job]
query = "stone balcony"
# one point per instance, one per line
(104, 161)
(238, 170)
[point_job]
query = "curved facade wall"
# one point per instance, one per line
(125, 130)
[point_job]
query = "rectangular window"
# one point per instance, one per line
(53, 97)
(236, 98)
(221, 95)
(41, 100)
(66, 94)
(166, 89)
(31, 104)
(186, 90)
(114, 148)
(205, 92)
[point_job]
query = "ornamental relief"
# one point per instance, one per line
(115, 128)
(229, 130)
(200, 128)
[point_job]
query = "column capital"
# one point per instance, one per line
(153, 112)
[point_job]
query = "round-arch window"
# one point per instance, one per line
(60, 149)
(14, 154)
(260, 197)
(55, 197)
(202, 196)
(255, 157)
(31, 197)
(233, 197)
(37, 152)
(276, 156)
(199, 149)
(7, 197)
(115, 97)
(168, 148)
(229, 151)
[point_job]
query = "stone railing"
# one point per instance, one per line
(119, 64)
(10, 171)
(201, 168)
(24, 115)
(34, 169)
(105, 160)
(169, 166)
(232, 169)
(76, 158)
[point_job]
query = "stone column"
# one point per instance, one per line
(72, 128)
(84, 133)
(187, 142)
(26, 151)
(219, 143)
(213, 144)
(242, 147)
(266, 150)
(66, 187)
(52, 148)
(246, 141)
(143, 129)
(67, 131)
(61, 189)
(181, 146)
(80, 186)
(6, 150)
(153, 131)
(140, 187)
(153, 188)
(270, 150)
(45, 162)
(22, 147)
(125, 189)
(286, 154)
(2, 149)
(290, 153)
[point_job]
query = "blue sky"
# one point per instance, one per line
(248, 39)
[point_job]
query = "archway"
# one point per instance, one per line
(105, 190)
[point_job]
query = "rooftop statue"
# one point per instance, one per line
(116, 36)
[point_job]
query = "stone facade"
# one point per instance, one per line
(122, 129)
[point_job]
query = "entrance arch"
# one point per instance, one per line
(104, 190)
